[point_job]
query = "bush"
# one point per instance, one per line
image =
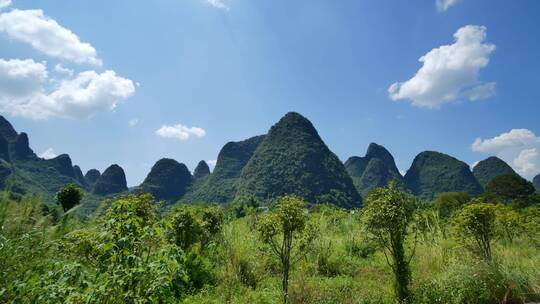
(475, 226)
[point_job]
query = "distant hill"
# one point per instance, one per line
(433, 172)
(112, 181)
(221, 185)
(168, 180)
(490, 168)
(375, 169)
(21, 171)
(536, 183)
(293, 159)
(91, 177)
(201, 171)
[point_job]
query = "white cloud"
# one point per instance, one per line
(180, 132)
(20, 78)
(218, 4)
(449, 72)
(518, 147)
(48, 154)
(4, 3)
(23, 91)
(46, 35)
(133, 122)
(62, 70)
(481, 91)
(212, 163)
(443, 5)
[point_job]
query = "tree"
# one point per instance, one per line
(387, 215)
(191, 225)
(448, 202)
(509, 223)
(475, 225)
(511, 188)
(282, 229)
(69, 196)
(135, 264)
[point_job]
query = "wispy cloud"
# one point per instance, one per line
(219, 4)
(48, 154)
(180, 132)
(133, 122)
(443, 5)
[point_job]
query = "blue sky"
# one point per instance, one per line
(130, 82)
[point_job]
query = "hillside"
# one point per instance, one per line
(21, 171)
(433, 172)
(490, 168)
(168, 180)
(373, 170)
(112, 181)
(293, 159)
(536, 182)
(221, 185)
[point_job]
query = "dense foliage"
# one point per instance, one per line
(292, 159)
(512, 188)
(223, 254)
(433, 172)
(376, 169)
(69, 196)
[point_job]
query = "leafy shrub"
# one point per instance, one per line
(475, 226)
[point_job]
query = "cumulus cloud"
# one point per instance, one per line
(180, 132)
(24, 91)
(518, 147)
(133, 122)
(48, 154)
(46, 35)
(443, 5)
(219, 4)
(449, 72)
(4, 3)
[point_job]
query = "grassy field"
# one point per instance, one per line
(60, 259)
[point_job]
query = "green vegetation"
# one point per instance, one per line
(69, 196)
(376, 169)
(475, 226)
(433, 172)
(387, 216)
(130, 253)
(293, 160)
(490, 168)
(282, 230)
(512, 188)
